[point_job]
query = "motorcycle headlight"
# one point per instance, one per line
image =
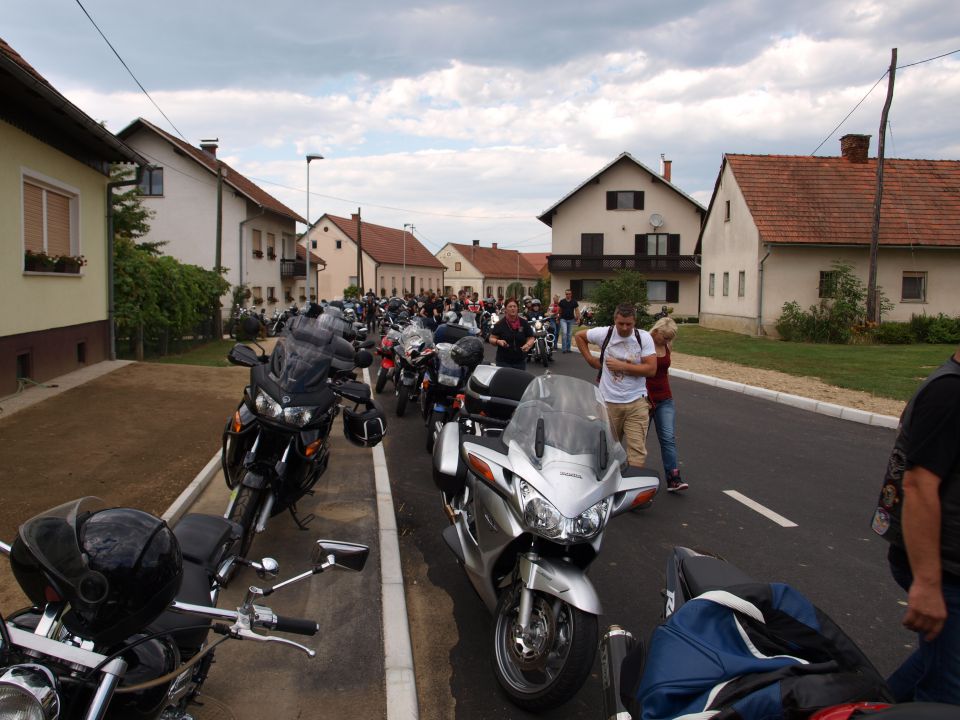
(538, 325)
(266, 405)
(28, 692)
(298, 416)
(590, 521)
(541, 517)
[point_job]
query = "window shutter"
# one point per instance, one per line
(58, 224)
(611, 199)
(673, 245)
(32, 218)
(640, 245)
(673, 290)
(637, 200)
(576, 288)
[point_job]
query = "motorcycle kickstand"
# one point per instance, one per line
(301, 523)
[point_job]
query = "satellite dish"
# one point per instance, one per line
(656, 220)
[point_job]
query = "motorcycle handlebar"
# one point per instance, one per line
(300, 626)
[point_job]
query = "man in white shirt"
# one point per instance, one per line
(628, 358)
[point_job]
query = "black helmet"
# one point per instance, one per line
(366, 428)
(118, 568)
(467, 351)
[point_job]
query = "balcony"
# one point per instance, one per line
(293, 268)
(611, 263)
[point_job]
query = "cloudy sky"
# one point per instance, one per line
(469, 118)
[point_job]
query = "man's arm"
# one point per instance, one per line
(576, 313)
(647, 367)
(926, 609)
(584, 347)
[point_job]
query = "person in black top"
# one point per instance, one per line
(512, 336)
(569, 314)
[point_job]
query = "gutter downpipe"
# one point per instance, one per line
(760, 294)
(263, 211)
(111, 310)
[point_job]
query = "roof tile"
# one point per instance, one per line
(386, 244)
(497, 262)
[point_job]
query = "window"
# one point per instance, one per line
(726, 284)
(624, 200)
(499, 291)
(271, 246)
(393, 284)
(257, 292)
(657, 244)
(662, 291)
(50, 220)
(352, 280)
(271, 294)
(489, 290)
(339, 244)
(591, 244)
(726, 214)
(711, 287)
(828, 279)
(256, 243)
(742, 283)
(288, 246)
(456, 267)
(152, 182)
(583, 289)
(914, 287)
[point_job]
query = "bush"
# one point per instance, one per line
(944, 329)
(895, 333)
(626, 286)
(920, 326)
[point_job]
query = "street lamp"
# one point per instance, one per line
(403, 281)
(309, 158)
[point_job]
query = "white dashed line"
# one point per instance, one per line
(765, 511)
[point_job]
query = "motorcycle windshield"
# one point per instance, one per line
(301, 360)
(416, 337)
(574, 421)
(468, 319)
(51, 538)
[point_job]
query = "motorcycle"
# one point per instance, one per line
(385, 350)
(444, 383)
(276, 445)
(542, 350)
(122, 610)
(411, 357)
(527, 514)
(837, 681)
(586, 317)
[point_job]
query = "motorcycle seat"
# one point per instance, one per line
(195, 589)
(204, 538)
(631, 471)
(703, 573)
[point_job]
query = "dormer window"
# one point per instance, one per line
(624, 200)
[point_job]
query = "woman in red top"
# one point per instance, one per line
(662, 413)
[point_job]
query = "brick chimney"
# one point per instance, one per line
(494, 246)
(855, 148)
(666, 169)
(210, 146)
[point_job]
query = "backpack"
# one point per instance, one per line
(606, 341)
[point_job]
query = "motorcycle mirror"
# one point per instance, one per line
(366, 344)
(343, 555)
(243, 355)
(538, 442)
(363, 359)
(250, 326)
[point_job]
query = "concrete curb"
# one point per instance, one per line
(817, 406)
(180, 506)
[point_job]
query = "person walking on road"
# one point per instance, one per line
(569, 315)
(662, 412)
(918, 512)
(627, 358)
(513, 337)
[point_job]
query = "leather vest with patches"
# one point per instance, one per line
(886, 518)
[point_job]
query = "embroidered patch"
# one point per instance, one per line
(881, 521)
(888, 496)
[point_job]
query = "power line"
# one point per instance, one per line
(129, 70)
(830, 135)
(936, 57)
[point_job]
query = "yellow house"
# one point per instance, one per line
(54, 175)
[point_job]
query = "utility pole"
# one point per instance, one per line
(873, 304)
(359, 253)
(218, 259)
(403, 277)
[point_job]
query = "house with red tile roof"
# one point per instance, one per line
(539, 261)
(393, 260)
(488, 271)
(627, 216)
(258, 232)
(54, 175)
(776, 223)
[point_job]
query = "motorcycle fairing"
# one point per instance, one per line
(561, 580)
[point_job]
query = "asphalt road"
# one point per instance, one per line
(821, 473)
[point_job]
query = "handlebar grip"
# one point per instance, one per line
(300, 626)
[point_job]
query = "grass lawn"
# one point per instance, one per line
(892, 371)
(212, 354)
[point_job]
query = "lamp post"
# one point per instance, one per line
(403, 277)
(307, 282)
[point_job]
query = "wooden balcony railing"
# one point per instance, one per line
(293, 268)
(612, 263)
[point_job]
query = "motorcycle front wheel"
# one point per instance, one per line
(549, 666)
(381, 380)
(244, 513)
(542, 350)
(403, 393)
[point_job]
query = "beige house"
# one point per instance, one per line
(776, 224)
(486, 271)
(393, 260)
(627, 217)
(54, 243)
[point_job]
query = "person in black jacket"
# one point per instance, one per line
(512, 336)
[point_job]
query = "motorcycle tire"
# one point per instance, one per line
(403, 394)
(381, 380)
(542, 350)
(541, 680)
(436, 417)
(244, 512)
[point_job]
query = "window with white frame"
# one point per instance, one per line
(711, 287)
(913, 287)
(726, 284)
(742, 283)
(151, 184)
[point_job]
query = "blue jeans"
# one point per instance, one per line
(664, 417)
(567, 326)
(932, 672)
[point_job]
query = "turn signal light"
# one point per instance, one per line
(311, 449)
(426, 384)
(481, 468)
(644, 497)
(237, 424)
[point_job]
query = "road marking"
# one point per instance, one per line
(765, 511)
(398, 651)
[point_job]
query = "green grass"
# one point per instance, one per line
(892, 371)
(211, 354)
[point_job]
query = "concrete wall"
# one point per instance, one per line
(466, 276)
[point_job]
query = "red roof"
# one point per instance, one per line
(498, 263)
(243, 185)
(829, 200)
(537, 260)
(5, 49)
(314, 258)
(386, 244)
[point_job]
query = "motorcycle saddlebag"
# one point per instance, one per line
(496, 391)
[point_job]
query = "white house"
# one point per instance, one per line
(486, 271)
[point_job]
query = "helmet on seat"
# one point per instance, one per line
(449, 316)
(467, 351)
(364, 428)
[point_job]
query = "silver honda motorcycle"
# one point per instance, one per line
(527, 512)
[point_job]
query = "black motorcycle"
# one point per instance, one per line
(276, 446)
(412, 355)
(444, 383)
(122, 608)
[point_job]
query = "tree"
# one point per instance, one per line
(542, 291)
(626, 286)
(131, 219)
(515, 290)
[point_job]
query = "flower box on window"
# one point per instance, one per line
(271, 300)
(258, 301)
(288, 297)
(258, 253)
(42, 262)
(302, 297)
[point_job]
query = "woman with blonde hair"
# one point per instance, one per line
(662, 412)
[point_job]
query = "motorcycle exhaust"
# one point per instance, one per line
(614, 647)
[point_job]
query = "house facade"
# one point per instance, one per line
(258, 232)
(627, 217)
(488, 271)
(54, 174)
(393, 260)
(776, 224)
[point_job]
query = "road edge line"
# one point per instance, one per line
(180, 506)
(398, 667)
